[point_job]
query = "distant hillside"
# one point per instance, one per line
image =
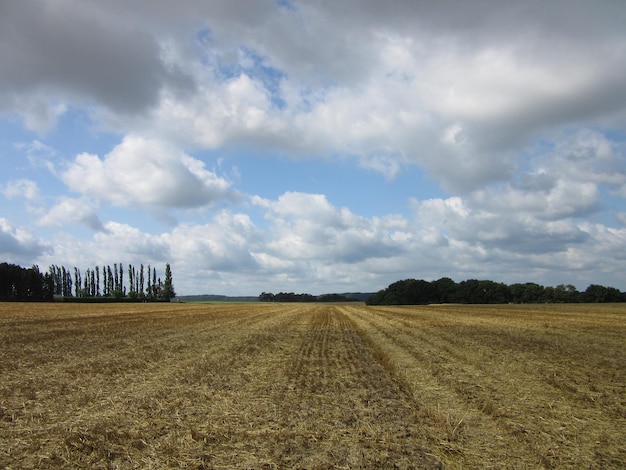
(214, 298)
(360, 296)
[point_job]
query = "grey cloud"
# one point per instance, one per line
(331, 54)
(73, 52)
(483, 18)
(18, 246)
(520, 238)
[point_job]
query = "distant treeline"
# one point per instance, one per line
(291, 297)
(104, 283)
(216, 298)
(445, 290)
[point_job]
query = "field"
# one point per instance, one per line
(312, 386)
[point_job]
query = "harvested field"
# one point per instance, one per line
(312, 386)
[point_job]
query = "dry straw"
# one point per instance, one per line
(311, 386)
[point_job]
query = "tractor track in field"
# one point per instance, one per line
(451, 366)
(495, 352)
(338, 394)
(203, 386)
(197, 362)
(522, 349)
(459, 418)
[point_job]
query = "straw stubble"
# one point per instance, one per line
(311, 386)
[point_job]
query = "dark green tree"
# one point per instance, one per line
(116, 285)
(122, 289)
(97, 281)
(77, 281)
(140, 290)
(149, 290)
(131, 282)
(110, 286)
(168, 292)
(444, 290)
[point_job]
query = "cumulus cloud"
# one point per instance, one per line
(116, 243)
(238, 109)
(18, 244)
(77, 52)
(24, 188)
(514, 231)
(543, 196)
(397, 80)
(148, 173)
(227, 244)
(308, 227)
(514, 110)
(129, 243)
(72, 211)
(308, 244)
(456, 88)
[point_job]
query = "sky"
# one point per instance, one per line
(316, 146)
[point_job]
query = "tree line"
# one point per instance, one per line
(292, 297)
(97, 284)
(473, 291)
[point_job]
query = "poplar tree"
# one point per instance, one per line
(85, 292)
(68, 283)
(97, 281)
(155, 291)
(168, 286)
(131, 278)
(109, 280)
(141, 293)
(77, 281)
(122, 292)
(149, 291)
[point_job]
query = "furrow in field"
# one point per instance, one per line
(462, 430)
(510, 383)
(310, 386)
(109, 336)
(568, 339)
(197, 364)
(339, 408)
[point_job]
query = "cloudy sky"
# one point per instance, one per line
(316, 146)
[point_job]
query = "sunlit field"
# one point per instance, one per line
(312, 386)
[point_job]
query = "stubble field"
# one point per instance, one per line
(312, 386)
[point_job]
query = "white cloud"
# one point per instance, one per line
(129, 243)
(72, 211)
(382, 85)
(24, 188)
(588, 156)
(144, 172)
(311, 245)
(39, 113)
(308, 227)
(17, 244)
(560, 198)
(515, 111)
(220, 112)
(223, 245)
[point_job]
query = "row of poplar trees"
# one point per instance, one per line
(107, 281)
